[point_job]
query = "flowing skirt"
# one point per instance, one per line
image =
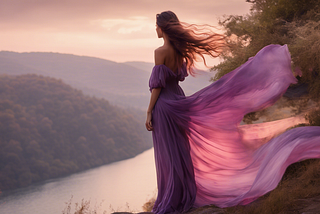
(203, 156)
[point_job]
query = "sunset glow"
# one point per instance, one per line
(115, 30)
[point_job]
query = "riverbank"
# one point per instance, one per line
(109, 188)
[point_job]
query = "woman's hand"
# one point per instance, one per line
(153, 99)
(148, 121)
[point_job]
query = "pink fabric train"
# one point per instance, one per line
(203, 156)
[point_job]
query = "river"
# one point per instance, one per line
(121, 186)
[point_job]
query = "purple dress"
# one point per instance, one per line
(203, 156)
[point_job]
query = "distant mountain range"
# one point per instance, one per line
(123, 84)
(52, 125)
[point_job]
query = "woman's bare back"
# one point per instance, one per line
(166, 55)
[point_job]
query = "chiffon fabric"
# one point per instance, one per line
(202, 153)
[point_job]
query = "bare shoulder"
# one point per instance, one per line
(160, 55)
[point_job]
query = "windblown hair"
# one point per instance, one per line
(190, 41)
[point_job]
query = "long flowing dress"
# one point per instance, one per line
(202, 153)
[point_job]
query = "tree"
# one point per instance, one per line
(48, 129)
(292, 22)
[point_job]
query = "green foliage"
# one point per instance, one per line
(292, 22)
(305, 51)
(48, 129)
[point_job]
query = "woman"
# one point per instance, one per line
(202, 155)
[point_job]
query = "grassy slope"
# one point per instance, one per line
(298, 192)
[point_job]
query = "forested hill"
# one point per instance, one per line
(48, 129)
(123, 84)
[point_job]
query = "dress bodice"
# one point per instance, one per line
(163, 77)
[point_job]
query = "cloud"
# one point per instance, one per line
(77, 12)
(126, 26)
(104, 28)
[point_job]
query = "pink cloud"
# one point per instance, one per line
(103, 28)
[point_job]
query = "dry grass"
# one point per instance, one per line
(85, 207)
(82, 208)
(147, 207)
(301, 181)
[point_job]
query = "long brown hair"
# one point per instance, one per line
(190, 41)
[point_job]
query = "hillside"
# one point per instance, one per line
(119, 83)
(48, 129)
(123, 84)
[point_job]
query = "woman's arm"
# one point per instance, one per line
(153, 99)
(159, 56)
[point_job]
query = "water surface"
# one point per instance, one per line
(113, 187)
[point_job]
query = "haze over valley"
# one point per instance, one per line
(123, 84)
(51, 129)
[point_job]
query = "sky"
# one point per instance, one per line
(117, 30)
